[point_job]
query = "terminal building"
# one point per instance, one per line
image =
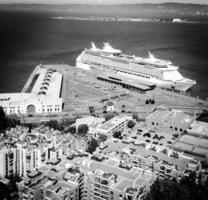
(42, 94)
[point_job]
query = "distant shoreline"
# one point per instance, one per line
(121, 19)
(126, 10)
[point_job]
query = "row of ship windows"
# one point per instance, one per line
(133, 72)
(130, 66)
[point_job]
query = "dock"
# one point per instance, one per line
(30, 79)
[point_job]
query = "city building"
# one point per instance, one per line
(173, 120)
(42, 94)
(84, 178)
(198, 128)
(110, 106)
(7, 166)
(91, 121)
(24, 152)
(192, 145)
(117, 123)
(165, 163)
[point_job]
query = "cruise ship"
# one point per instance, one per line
(161, 73)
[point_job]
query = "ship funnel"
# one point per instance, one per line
(93, 46)
(154, 59)
(151, 56)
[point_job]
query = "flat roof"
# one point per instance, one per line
(113, 122)
(169, 116)
(126, 82)
(123, 184)
(193, 145)
(196, 141)
(119, 146)
(49, 81)
(199, 127)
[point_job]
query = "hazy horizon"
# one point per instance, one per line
(102, 2)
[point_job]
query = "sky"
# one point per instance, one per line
(102, 1)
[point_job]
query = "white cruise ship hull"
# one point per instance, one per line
(182, 85)
(150, 71)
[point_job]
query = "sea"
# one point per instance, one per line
(31, 38)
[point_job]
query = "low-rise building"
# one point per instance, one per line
(117, 123)
(198, 128)
(91, 121)
(172, 120)
(164, 165)
(196, 147)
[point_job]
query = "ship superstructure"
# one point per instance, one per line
(160, 72)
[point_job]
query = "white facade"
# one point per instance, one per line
(24, 158)
(118, 123)
(43, 98)
(6, 162)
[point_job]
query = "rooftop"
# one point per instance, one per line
(169, 116)
(193, 145)
(107, 126)
(141, 151)
(198, 127)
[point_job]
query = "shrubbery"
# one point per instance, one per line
(8, 121)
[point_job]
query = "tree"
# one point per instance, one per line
(3, 120)
(105, 109)
(72, 129)
(135, 116)
(83, 129)
(123, 108)
(117, 134)
(190, 188)
(108, 117)
(13, 121)
(152, 101)
(131, 124)
(92, 110)
(52, 124)
(92, 145)
(10, 191)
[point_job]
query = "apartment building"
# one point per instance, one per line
(170, 164)
(7, 167)
(85, 179)
(24, 156)
(47, 186)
